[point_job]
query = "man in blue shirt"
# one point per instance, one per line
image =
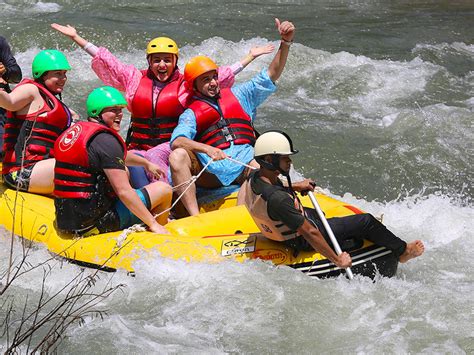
(218, 123)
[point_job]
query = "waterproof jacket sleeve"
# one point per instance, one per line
(13, 73)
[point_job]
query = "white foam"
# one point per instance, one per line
(172, 305)
(21, 8)
(460, 47)
(436, 219)
(333, 84)
(470, 103)
(389, 119)
(46, 7)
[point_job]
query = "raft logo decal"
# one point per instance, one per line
(238, 246)
(274, 255)
(70, 137)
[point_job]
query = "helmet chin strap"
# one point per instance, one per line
(286, 174)
(274, 165)
(100, 120)
(288, 179)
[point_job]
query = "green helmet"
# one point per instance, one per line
(100, 98)
(49, 59)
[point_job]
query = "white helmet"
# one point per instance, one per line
(274, 142)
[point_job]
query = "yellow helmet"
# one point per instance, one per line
(162, 45)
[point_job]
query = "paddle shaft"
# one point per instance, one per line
(326, 225)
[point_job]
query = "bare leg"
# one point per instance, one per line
(413, 250)
(42, 177)
(180, 164)
(160, 195)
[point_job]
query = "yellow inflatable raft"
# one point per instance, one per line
(222, 231)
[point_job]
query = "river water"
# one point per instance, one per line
(379, 99)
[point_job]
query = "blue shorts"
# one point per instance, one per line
(127, 218)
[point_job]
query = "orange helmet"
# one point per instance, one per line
(196, 67)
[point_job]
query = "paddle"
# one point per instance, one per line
(328, 230)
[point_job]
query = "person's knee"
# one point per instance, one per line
(368, 220)
(179, 158)
(160, 187)
(165, 189)
(159, 193)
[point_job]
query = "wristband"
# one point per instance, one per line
(91, 49)
(288, 43)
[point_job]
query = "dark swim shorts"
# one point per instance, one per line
(117, 218)
(20, 178)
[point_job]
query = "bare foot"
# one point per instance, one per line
(413, 250)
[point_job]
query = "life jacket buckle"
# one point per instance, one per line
(222, 123)
(229, 137)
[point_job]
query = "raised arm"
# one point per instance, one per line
(70, 32)
(287, 33)
(256, 52)
(227, 73)
(107, 67)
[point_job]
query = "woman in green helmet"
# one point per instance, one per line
(91, 187)
(36, 116)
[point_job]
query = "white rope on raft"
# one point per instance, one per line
(140, 227)
(191, 181)
(240, 163)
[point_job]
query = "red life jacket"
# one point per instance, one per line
(35, 131)
(150, 127)
(227, 123)
(73, 177)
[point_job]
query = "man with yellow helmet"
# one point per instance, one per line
(219, 122)
(157, 95)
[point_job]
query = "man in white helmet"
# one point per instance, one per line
(281, 217)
